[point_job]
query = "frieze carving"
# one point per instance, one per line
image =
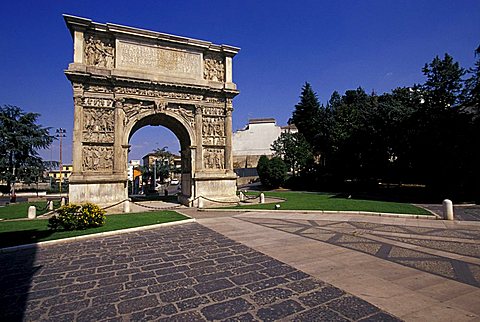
(98, 102)
(213, 159)
(217, 100)
(157, 93)
(97, 158)
(98, 89)
(98, 125)
(99, 52)
(214, 111)
(214, 69)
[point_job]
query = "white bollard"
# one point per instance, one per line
(200, 202)
(242, 196)
(447, 209)
(126, 206)
(62, 202)
(50, 205)
(262, 198)
(32, 212)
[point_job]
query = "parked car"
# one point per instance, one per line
(174, 182)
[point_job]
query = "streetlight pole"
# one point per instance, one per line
(60, 134)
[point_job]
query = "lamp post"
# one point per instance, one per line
(60, 133)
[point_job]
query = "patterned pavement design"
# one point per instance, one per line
(180, 273)
(398, 244)
(461, 212)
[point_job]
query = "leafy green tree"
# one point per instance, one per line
(272, 172)
(20, 138)
(306, 113)
(294, 150)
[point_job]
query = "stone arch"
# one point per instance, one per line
(184, 133)
(124, 78)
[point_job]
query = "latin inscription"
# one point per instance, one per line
(159, 60)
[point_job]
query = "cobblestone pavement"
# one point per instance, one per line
(433, 250)
(180, 273)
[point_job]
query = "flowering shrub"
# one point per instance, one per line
(77, 217)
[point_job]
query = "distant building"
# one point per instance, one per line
(255, 140)
(133, 166)
(64, 175)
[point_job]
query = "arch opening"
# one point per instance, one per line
(178, 164)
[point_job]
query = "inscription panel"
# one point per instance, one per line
(170, 62)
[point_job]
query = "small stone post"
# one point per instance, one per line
(242, 196)
(62, 202)
(262, 198)
(200, 202)
(32, 212)
(126, 206)
(50, 205)
(447, 209)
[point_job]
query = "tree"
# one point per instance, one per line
(294, 151)
(163, 167)
(472, 87)
(272, 172)
(20, 138)
(306, 113)
(444, 82)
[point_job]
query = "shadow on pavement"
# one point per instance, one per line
(16, 272)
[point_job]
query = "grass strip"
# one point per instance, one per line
(14, 233)
(330, 202)
(20, 210)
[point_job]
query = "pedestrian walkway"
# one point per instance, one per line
(461, 212)
(418, 270)
(179, 273)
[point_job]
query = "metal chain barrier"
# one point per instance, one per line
(156, 208)
(115, 204)
(217, 201)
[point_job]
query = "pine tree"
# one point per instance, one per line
(306, 114)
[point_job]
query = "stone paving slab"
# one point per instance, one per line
(409, 278)
(181, 273)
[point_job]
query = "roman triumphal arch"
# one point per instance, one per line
(125, 78)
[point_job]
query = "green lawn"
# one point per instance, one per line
(32, 231)
(20, 210)
(325, 201)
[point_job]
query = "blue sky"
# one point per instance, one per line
(334, 45)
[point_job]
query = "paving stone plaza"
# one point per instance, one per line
(253, 267)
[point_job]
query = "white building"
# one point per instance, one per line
(131, 165)
(255, 140)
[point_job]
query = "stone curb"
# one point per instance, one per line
(331, 212)
(106, 233)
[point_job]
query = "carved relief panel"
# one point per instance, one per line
(134, 108)
(99, 51)
(214, 159)
(213, 131)
(214, 67)
(98, 125)
(98, 120)
(97, 158)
